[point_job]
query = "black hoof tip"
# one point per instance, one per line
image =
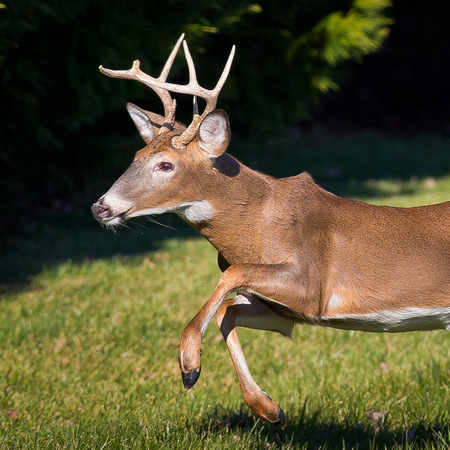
(281, 424)
(190, 378)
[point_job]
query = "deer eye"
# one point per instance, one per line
(165, 166)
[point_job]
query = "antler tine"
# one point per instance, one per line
(169, 62)
(191, 66)
(192, 75)
(225, 72)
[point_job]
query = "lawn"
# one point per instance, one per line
(90, 324)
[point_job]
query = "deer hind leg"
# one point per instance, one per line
(250, 312)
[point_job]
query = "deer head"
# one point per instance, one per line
(165, 175)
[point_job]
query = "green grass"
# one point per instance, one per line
(90, 324)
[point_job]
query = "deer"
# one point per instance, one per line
(289, 251)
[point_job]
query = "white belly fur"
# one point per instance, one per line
(406, 319)
(397, 320)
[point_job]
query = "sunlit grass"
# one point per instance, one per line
(404, 193)
(89, 331)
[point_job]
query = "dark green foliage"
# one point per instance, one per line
(288, 56)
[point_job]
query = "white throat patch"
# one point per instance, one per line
(195, 212)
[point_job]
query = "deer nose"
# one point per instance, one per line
(100, 211)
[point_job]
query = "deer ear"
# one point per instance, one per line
(143, 122)
(214, 133)
(149, 123)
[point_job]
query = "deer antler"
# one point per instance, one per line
(162, 88)
(196, 90)
(135, 73)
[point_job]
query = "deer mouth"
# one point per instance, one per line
(105, 215)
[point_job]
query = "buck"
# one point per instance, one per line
(292, 252)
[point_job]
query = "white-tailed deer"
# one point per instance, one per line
(291, 251)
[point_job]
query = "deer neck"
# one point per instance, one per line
(234, 198)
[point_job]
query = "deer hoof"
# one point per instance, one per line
(190, 378)
(281, 423)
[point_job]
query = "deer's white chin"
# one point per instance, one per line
(113, 221)
(192, 212)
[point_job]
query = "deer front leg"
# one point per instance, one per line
(249, 311)
(274, 281)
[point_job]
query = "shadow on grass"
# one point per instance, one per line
(77, 237)
(311, 432)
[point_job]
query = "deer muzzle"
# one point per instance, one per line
(101, 212)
